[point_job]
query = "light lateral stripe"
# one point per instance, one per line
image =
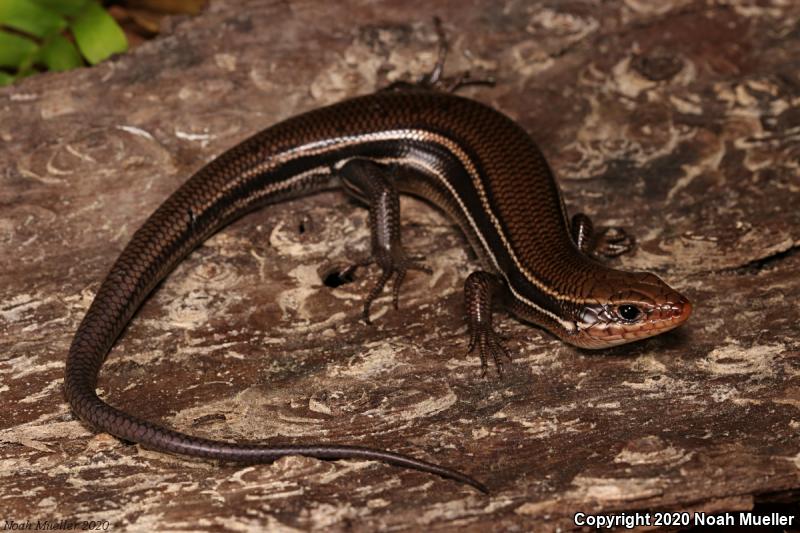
(333, 144)
(275, 187)
(432, 171)
(453, 147)
(568, 325)
(470, 167)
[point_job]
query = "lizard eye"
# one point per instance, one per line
(629, 312)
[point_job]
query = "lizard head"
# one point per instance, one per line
(631, 306)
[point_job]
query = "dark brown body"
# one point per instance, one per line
(469, 159)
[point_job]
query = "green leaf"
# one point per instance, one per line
(60, 54)
(15, 49)
(6, 79)
(24, 15)
(66, 8)
(97, 34)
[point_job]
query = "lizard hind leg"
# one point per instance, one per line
(435, 80)
(373, 184)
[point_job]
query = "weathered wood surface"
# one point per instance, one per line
(678, 120)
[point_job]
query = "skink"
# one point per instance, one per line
(470, 160)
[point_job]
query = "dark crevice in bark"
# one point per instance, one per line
(757, 265)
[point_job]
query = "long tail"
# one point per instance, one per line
(186, 219)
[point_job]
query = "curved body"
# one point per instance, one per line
(469, 159)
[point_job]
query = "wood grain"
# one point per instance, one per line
(677, 120)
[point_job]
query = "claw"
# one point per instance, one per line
(374, 293)
(465, 79)
(400, 267)
(613, 241)
(489, 343)
(401, 274)
(435, 79)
